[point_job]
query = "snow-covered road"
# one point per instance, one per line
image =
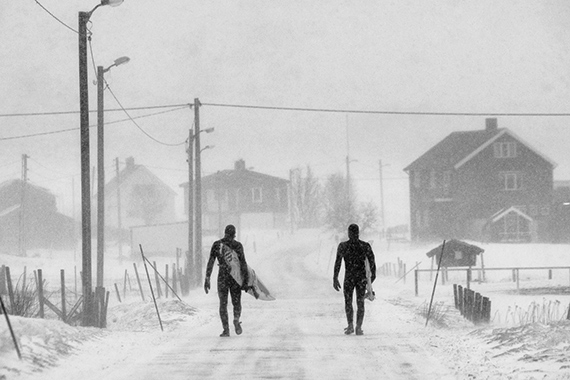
(298, 336)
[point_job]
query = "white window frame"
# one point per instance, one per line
(511, 181)
(505, 149)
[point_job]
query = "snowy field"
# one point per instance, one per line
(298, 269)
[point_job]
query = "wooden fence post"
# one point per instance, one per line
(518, 278)
(138, 280)
(174, 278)
(550, 274)
(158, 290)
(460, 302)
(40, 286)
(166, 280)
(486, 309)
(469, 278)
(118, 294)
(3, 280)
(62, 274)
(465, 303)
(416, 281)
(10, 289)
(455, 302)
(477, 306)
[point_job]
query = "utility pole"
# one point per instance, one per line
(100, 176)
(348, 200)
(198, 192)
(85, 191)
(23, 185)
(190, 262)
(382, 201)
(120, 229)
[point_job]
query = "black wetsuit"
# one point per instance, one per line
(354, 252)
(226, 282)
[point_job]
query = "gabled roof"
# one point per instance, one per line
(236, 176)
(10, 182)
(9, 210)
(460, 147)
(507, 210)
(130, 170)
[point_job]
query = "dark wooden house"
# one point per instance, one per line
(456, 253)
(560, 220)
(486, 184)
(243, 197)
(29, 219)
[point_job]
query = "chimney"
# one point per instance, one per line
(130, 162)
(491, 124)
(239, 165)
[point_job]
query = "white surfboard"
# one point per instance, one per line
(256, 288)
(369, 290)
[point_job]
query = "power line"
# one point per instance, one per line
(384, 112)
(302, 109)
(52, 15)
(55, 113)
(91, 126)
(136, 124)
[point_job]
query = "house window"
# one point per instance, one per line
(505, 149)
(417, 178)
(256, 195)
(511, 180)
(432, 179)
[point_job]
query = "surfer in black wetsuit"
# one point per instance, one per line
(354, 252)
(226, 283)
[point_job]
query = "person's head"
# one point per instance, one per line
(230, 231)
(353, 232)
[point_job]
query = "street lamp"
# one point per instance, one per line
(88, 307)
(190, 253)
(101, 166)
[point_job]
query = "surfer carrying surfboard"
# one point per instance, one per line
(355, 253)
(226, 282)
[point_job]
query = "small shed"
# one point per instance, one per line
(456, 254)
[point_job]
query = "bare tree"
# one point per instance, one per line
(339, 203)
(307, 198)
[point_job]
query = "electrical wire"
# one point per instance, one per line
(91, 126)
(178, 106)
(136, 124)
(380, 112)
(52, 15)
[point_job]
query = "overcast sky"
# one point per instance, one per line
(419, 56)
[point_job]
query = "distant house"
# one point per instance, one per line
(29, 219)
(245, 198)
(482, 185)
(144, 198)
(456, 253)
